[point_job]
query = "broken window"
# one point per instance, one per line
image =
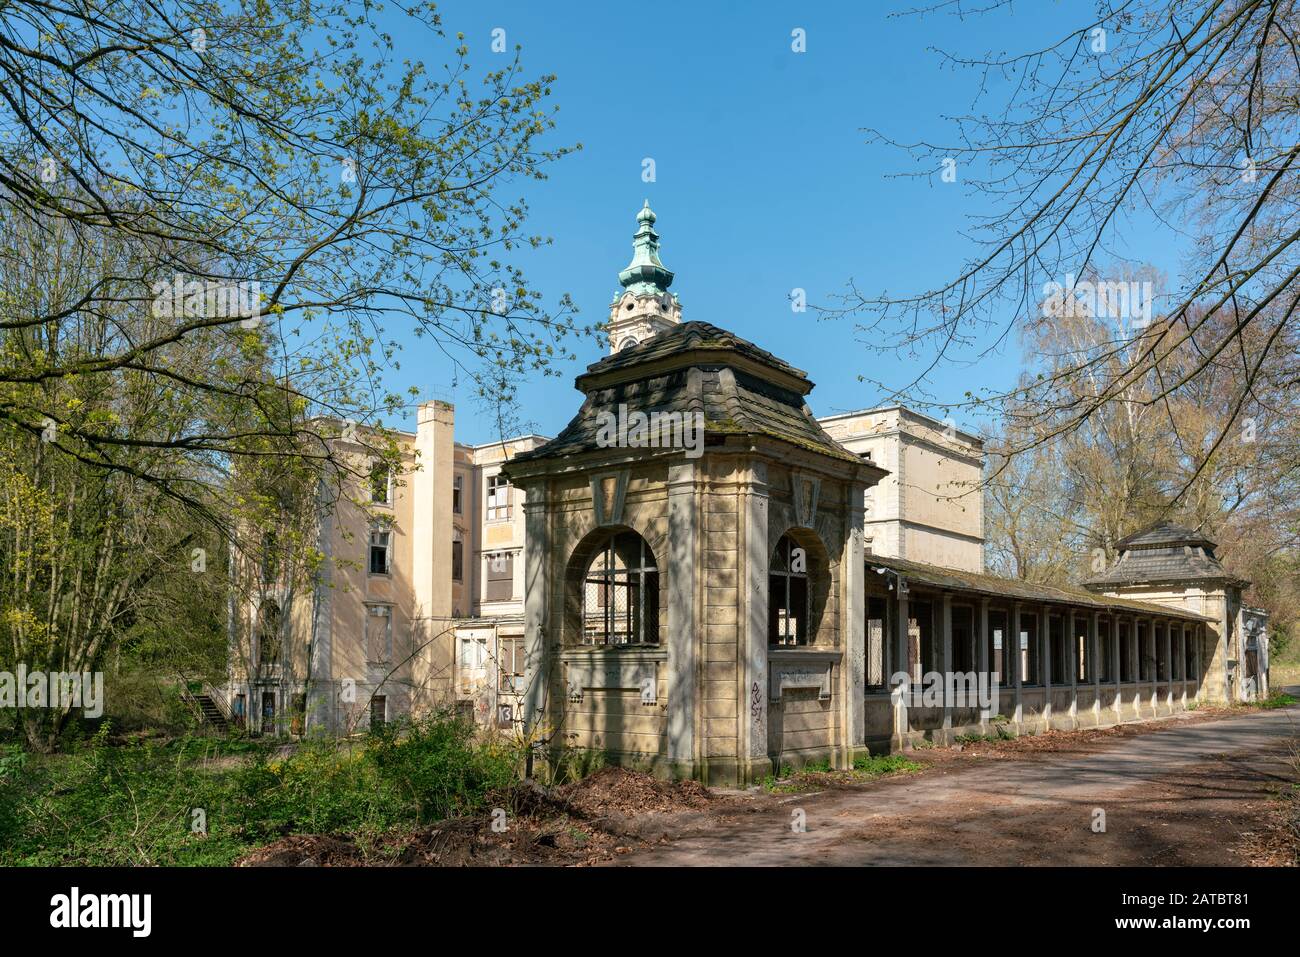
(788, 621)
(457, 492)
(457, 556)
(620, 594)
(380, 546)
(498, 498)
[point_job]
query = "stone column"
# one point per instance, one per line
(684, 637)
(753, 666)
(854, 626)
(983, 666)
(1094, 661)
(1115, 652)
(945, 661)
(1045, 663)
(898, 689)
(1072, 665)
(1017, 677)
(1155, 670)
(537, 587)
(1169, 666)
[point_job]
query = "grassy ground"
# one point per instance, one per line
(816, 777)
(1284, 671)
(205, 801)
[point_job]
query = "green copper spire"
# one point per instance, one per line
(645, 274)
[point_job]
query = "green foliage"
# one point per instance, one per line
(134, 804)
(1277, 699)
(875, 765)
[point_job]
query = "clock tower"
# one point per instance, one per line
(645, 307)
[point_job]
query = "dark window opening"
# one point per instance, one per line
(788, 618)
(1030, 668)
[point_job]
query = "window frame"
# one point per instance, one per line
(496, 484)
(380, 528)
(784, 572)
(376, 467)
(371, 609)
(643, 578)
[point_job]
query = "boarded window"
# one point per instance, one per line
(500, 576)
(379, 633)
(378, 712)
(510, 666)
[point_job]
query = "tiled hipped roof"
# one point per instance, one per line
(1164, 553)
(695, 366)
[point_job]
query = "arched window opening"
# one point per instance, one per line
(620, 594)
(789, 621)
(269, 634)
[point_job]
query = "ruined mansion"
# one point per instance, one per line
(773, 592)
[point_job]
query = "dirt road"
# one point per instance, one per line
(1179, 793)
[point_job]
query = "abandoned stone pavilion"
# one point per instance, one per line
(714, 609)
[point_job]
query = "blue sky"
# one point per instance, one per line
(765, 181)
